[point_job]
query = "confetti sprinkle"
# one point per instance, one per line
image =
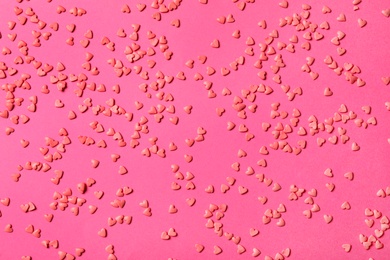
(194, 130)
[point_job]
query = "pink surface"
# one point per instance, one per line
(151, 178)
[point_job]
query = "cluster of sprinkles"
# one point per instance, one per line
(125, 94)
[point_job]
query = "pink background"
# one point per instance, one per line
(151, 178)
